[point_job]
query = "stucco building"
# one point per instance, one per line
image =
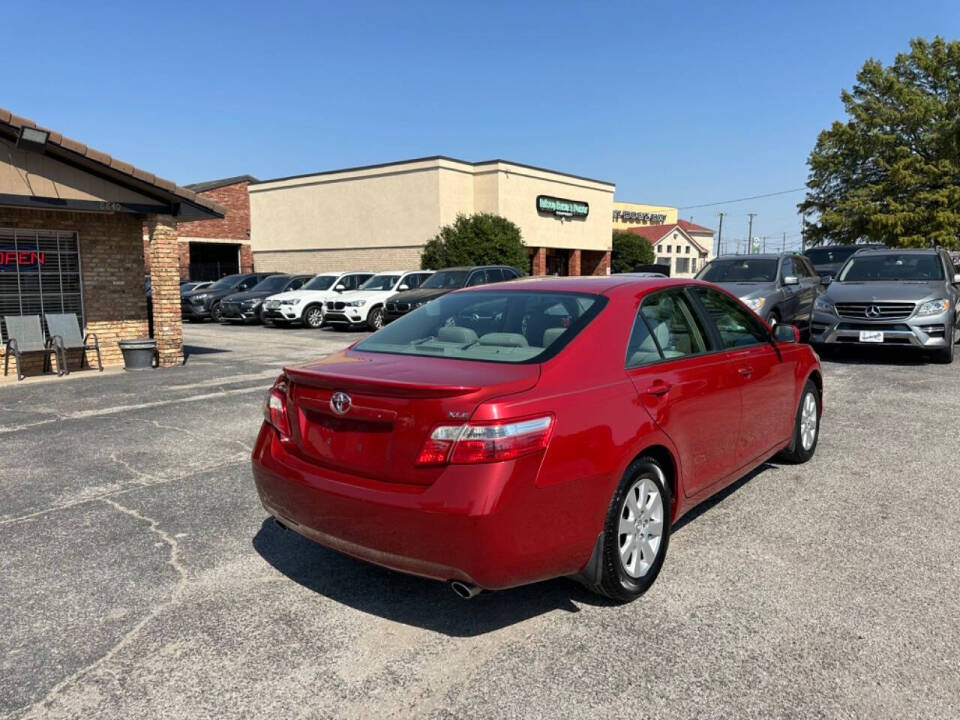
(379, 217)
(71, 231)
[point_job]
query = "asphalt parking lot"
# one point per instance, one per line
(142, 579)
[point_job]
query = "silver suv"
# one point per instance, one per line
(905, 298)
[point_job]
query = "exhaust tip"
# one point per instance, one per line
(465, 590)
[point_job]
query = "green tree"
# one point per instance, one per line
(481, 239)
(891, 172)
(629, 251)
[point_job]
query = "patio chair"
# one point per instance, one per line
(66, 326)
(25, 335)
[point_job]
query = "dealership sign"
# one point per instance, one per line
(561, 207)
(633, 216)
(14, 259)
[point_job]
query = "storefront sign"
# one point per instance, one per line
(12, 259)
(561, 207)
(633, 216)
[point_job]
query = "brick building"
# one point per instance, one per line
(71, 231)
(210, 249)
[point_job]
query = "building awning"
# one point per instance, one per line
(145, 193)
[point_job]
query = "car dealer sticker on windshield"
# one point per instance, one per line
(871, 336)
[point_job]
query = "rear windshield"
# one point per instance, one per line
(320, 282)
(380, 282)
(274, 282)
(507, 327)
(828, 256)
(446, 280)
(891, 266)
(740, 270)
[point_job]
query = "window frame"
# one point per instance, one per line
(714, 331)
(709, 341)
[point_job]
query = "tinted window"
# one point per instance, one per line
(445, 280)
(478, 277)
(668, 330)
(828, 256)
(296, 283)
(247, 284)
(736, 324)
(509, 327)
(891, 266)
(744, 269)
(380, 282)
(320, 282)
(226, 283)
(273, 283)
(494, 275)
(510, 274)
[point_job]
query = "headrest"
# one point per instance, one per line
(454, 334)
(504, 340)
(551, 334)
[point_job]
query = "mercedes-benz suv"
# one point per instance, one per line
(903, 298)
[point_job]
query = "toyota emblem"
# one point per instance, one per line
(872, 312)
(340, 403)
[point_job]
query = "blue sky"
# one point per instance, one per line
(680, 103)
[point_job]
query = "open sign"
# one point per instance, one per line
(19, 259)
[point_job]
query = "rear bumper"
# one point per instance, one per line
(477, 524)
(930, 332)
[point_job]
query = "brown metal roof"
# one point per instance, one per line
(124, 173)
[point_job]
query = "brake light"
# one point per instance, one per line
(275, 408)
(486, 442)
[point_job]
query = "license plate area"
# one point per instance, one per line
(871, 336)
(356, 445)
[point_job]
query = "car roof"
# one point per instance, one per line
(755, 256)
(593, 284)
(900, 251)
(474, 267)
(864, 246)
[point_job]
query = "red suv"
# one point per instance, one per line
(504, 435)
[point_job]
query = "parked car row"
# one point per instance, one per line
(879, 295)
(339, 299)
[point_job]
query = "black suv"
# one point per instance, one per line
(248, 306)
(828, 259)
(444, 281)
(205, 303)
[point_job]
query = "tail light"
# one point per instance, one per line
(486, 442)
(275, 408)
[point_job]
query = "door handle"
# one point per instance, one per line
(659, 388)
(746, 371)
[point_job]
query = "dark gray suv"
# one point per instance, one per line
(904, 298)
(780, 288)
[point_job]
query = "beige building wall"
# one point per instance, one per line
(626, 215)
(380, 217)
(683, 256)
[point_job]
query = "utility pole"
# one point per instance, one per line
(720, 235)
(750, 233)
(783, 247)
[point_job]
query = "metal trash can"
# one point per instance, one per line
(138, 354)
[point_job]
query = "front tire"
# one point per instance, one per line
(313, 317)
(375, 319)
(945, 355)
(637, 532)
(215, 313)
(806, 427)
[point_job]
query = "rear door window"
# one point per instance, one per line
(736, 325)
(666, 328)
(477, 277)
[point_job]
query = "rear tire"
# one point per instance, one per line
(806, 427)
(636, 532)
(313, 317)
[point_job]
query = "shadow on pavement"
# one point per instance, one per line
(719, 497)
(407, 599)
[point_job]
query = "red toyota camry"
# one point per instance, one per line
(512, 433)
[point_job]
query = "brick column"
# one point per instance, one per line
(165, 281)
(573, 263)
(539, 261)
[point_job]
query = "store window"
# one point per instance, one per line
(40, 273)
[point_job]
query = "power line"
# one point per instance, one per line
(744, 199)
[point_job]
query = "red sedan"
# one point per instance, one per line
(507, 434)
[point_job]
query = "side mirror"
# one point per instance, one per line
(340, 288)
(403, 286)
(826, 279)
(956, 279)
(786, 333)
(791, 280)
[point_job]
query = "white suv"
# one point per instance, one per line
(306, 304)
(365, 304)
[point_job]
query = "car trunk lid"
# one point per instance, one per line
(368, 414)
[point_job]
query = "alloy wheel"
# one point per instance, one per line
(808, 421)
(314, 317)
(376, 319)
(215, 313)
(641, 527)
